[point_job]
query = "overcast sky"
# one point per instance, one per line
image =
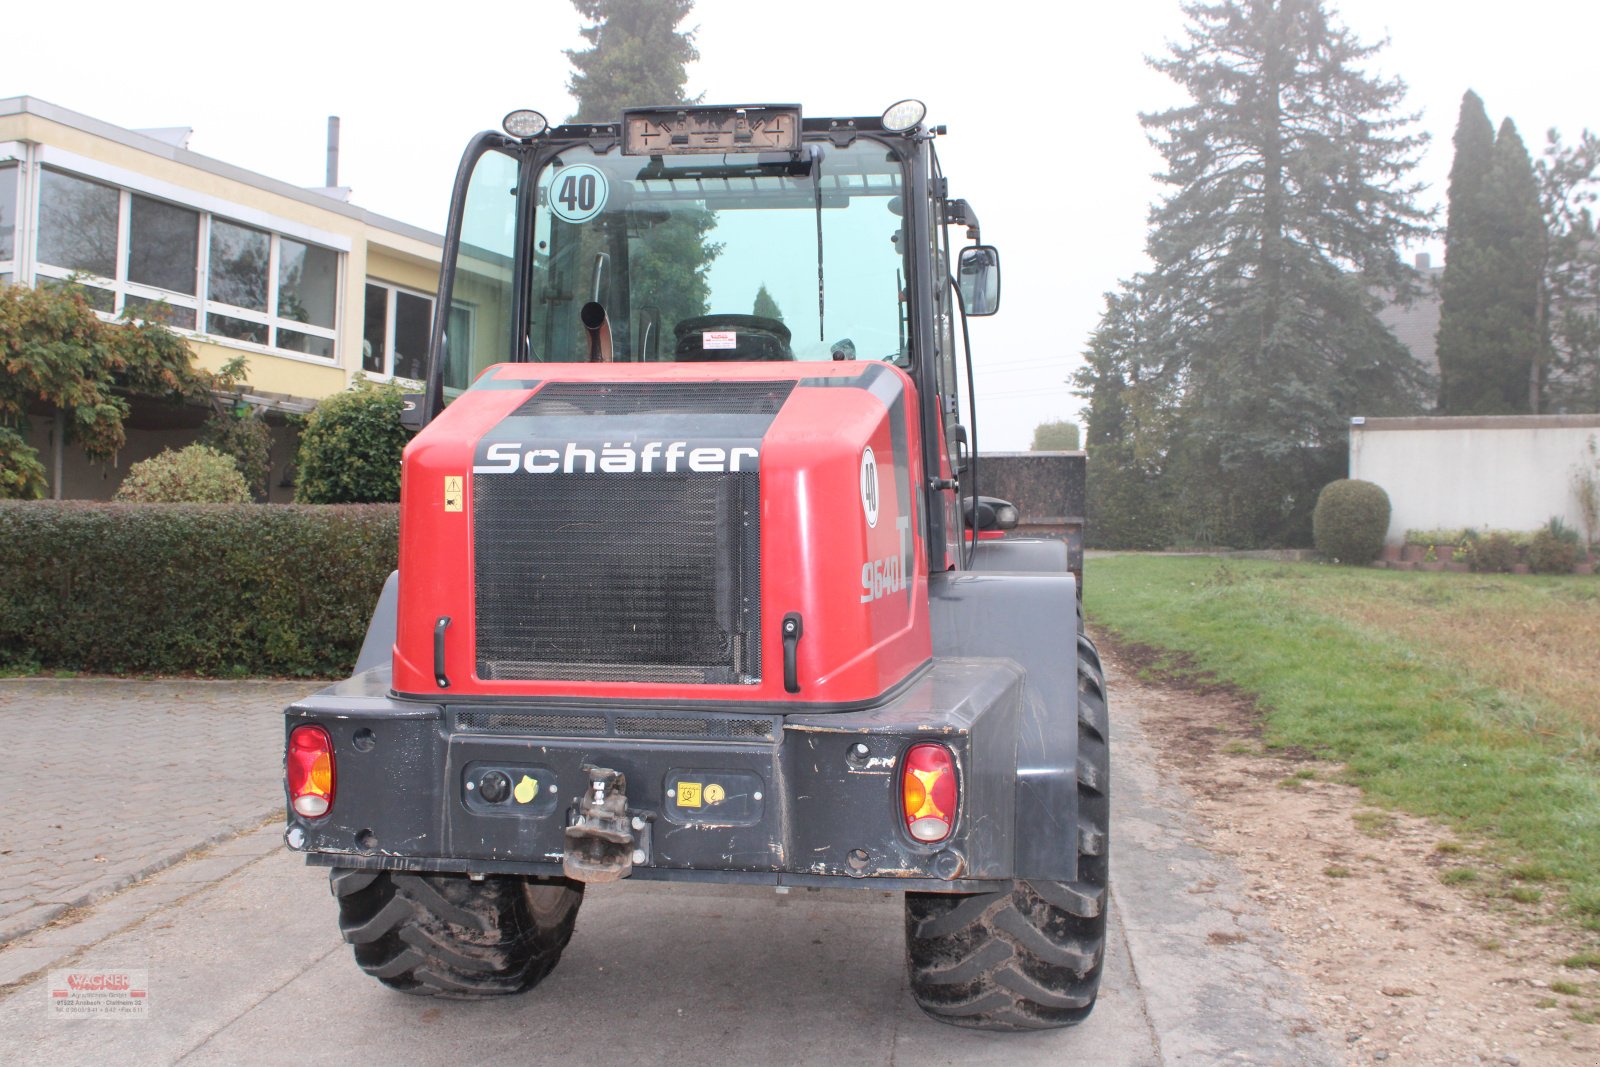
(1042, 102)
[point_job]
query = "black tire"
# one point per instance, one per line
(444, 935)
(1028, 958)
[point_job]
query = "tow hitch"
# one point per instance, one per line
(600, 843)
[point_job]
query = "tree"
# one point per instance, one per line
(1571, 295)
(1057, 436)
(1129, 416)
(636, 57)
(765, 306)
(57, 355)
(1271, 257)
(1465, 274)
(1491, 335)
(1517, 245)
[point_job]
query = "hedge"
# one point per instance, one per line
(210, 589)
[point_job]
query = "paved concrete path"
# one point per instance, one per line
(108, 781)
(245, 965)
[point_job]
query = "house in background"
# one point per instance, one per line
(311, 288)
(1416, 325)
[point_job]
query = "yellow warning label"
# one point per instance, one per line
(526, 790)
(689, 794)
(453, 492)
(715, 793)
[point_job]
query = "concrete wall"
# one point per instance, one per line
(1505, 472)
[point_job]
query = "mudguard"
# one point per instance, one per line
(1030, 619)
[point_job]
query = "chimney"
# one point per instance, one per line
(1424, 261)
(333, 152)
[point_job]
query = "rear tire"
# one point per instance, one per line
(444, 935)
(1029, 958)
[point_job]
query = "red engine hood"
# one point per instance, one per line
(841, 530)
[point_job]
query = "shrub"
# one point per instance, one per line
(1554, 549)
(350, 449)
(1494, 553)
(193, 475)
(217, 588)
(244, 438)
(1350, 521)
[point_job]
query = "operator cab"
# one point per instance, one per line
(693, 234)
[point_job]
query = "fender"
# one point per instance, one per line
(1028, 618)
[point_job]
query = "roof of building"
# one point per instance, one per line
(162, 143)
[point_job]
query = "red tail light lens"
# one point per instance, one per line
(928, 791)
(310, 771)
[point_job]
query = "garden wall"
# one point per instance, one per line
(1501, 472)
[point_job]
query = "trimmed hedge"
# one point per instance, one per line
(211, 589)
(1350, 521)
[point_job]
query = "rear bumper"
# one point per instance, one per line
(743, 796)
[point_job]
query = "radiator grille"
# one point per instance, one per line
(618, 577)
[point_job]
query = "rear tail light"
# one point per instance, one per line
(310, 771)
(928, 791)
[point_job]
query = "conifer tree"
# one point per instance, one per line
(1491, 342)
(1466, 275)
(1569, 183)
(1290, 197)
(636, 57)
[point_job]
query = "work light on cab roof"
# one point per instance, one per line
(904, 115)
(524, 123)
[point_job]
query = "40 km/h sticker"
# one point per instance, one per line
(579, 193)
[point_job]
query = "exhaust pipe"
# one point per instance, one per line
(593, 317)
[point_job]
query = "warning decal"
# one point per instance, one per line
(689, 794)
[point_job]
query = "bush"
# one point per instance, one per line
(1350, 521)
(213, 589)
(1494, 553)
(193, 475)
(246, 439)
(1553, 550)
(350, 449)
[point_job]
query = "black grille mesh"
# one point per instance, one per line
(656, 398)
(616, 577)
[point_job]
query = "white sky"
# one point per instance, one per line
(1041, 100)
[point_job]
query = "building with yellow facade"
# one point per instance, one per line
(313, 290)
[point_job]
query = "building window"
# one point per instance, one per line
(395, 336)
(8, 218)
(149, 258)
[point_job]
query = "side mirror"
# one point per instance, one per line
(991, 513)
(978, 278)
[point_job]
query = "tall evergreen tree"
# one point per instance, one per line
(1517, 243)
(636, 57)
(1569, 182)
(1466, 275)
(1290, 197)
(1491, 342)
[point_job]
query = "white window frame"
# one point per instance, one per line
(269, 318)
(391, 305)
(126, 183)
(12, 155)
(120, 287)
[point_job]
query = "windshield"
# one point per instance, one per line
(707, 258)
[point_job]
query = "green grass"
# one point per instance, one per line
(1341, 668)
(1566, 989)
